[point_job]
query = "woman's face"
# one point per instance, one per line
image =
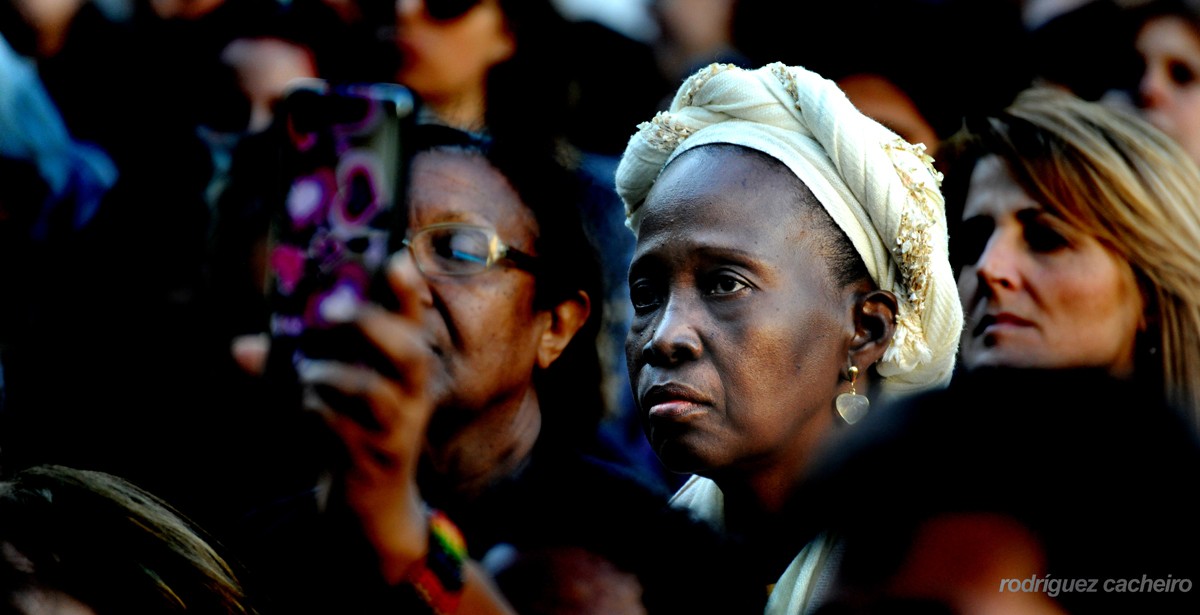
(1037, 292)
(1170, 86)
(445, 60)
(49, 602)
(483, 328)
(739, 335)
(883, 101)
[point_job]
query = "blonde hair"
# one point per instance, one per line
(109, 544)
(1119, 179)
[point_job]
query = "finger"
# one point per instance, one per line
(366, 455)
(372, 457)
(372, 402)
(250, 352)
(408, 286)
(406, 353)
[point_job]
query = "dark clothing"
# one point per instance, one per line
(305, 562)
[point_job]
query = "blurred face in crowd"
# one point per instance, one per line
(448, 46)
(883, 101)
(1036, 291)
(1170, 85)
(186, 9)
(738, 336)
(49, 602)
(697, 27)
(951, 564)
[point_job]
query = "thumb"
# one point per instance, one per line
(250, 352)
(407, 289)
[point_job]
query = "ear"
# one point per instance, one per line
(874, 325)
(1149, 318)
(566, 318)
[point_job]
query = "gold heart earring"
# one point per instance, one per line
(852, 406)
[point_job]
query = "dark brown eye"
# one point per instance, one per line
(1042, 238)
(643, 296)
(1180, 73)
(724, 284)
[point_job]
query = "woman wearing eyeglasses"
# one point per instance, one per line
(570, 87)
(478, 400)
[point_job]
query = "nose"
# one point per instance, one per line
(1152, 89)
(674, 338)
(407, 9)
(998, 265)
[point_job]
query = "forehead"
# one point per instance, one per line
(725, 191)
(994, 191)
(460, 186)
(1169, 35)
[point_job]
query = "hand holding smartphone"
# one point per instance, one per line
(344, 164)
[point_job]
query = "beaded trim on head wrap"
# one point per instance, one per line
(697, 81)
(913, 248)
(663, 132)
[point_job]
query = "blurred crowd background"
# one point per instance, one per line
(133, 169)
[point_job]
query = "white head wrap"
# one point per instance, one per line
(879, 189)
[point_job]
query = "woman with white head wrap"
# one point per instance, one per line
(791, 263)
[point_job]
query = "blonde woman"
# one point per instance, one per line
(82, 542)
(1079, 244)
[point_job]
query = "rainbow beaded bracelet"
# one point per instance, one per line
(438, 578)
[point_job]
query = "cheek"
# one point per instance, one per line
(1186, 122)
(476, 49)
(966, 286)
(633, 352)
(784, 364)
(488, 320)
(1105, 298)
(512, 319)
(439, 68)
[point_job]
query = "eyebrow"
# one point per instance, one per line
(463, 217)
(1024, 215)
(1038, 215)
(652, 260)
(706, 249)
(716, 250)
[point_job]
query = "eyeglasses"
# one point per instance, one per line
(448, 10)
(452, 248)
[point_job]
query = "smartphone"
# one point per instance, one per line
(341, 211)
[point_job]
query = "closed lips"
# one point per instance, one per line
(671, 392)
(1002, 318)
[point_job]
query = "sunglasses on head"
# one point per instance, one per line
(447, 10)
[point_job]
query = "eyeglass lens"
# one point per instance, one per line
(452, 250)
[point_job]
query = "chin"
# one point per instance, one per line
(680, 458)
(1003, 357)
